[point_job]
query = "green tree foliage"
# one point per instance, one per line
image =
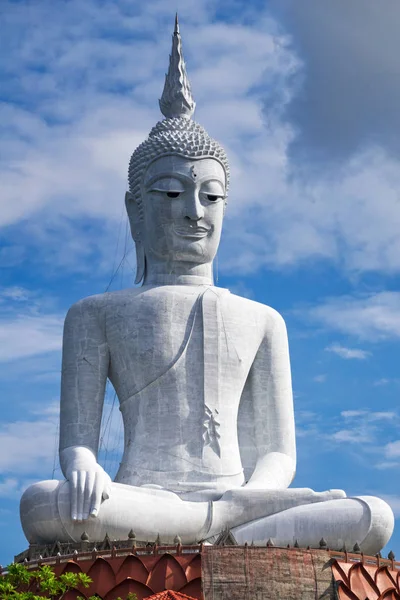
(21, 583)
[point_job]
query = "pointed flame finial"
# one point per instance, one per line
(177, 99)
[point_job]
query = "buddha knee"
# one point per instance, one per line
(366, 520)
(381, 524)
(39, 513)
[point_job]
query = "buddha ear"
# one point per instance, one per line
(132, 210)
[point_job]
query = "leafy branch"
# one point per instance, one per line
(21, 583)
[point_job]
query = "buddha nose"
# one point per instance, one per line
(193, 208)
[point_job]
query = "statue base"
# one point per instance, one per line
(218, 572)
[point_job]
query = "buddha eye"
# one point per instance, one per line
(173, 194)
(212, 197)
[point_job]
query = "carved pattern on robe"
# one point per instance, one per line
(211, 433)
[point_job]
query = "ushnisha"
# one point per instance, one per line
(202, 376)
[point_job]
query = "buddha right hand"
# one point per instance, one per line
(89, 483)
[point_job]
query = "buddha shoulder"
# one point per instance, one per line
(267, 318)
(99, 306)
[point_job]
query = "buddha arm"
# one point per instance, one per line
(271, 392)
(84, 374)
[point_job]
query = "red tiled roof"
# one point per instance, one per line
(165, 576)
(358, 581)
(170, 595)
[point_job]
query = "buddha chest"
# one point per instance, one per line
(195, 331)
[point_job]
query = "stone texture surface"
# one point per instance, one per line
(267, 573)
(298, 574)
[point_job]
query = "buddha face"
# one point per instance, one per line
(183, 208)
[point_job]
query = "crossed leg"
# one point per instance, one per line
(253, 515)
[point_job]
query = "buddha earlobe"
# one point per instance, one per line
(132, 210)
(140, 262)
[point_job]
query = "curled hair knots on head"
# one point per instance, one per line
(180, 136)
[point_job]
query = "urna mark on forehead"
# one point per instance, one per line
(195, 170)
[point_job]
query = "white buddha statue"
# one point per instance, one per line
(202, 376)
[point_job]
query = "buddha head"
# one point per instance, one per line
(178, 182)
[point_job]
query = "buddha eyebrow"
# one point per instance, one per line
(181, 177)
(169, 175)
(213, 179)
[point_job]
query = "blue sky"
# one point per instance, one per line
(305, 98)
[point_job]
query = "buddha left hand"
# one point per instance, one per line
(89, 483)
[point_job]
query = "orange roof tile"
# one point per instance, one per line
(170, 595)
(360, 581)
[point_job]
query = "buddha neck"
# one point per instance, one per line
(178, 274)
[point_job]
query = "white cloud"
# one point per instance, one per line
(381, 382)
(320, 378)
(29, 369)
(351, 414)
(28, 335)
(383, 415)
(15, 293)
(9, 487)
(23, 460)
(241, 289)
(370, 416)
(384, 381)
(20, 452)
(362, 430)
(357, 435)
(387, 464)
(339, 109)
(70, 147)
(392, 450)
(72, 152)
(371, 317)
(394, 502)
(348, 353)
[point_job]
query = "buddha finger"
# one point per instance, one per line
(107, 489)
(81, 493)
(90, 480)
(74, 493)
(96, 496)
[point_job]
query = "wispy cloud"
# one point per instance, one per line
(70, 145)
(10, 487)
(348, 353)
(361, 430)
(28, 325)
(320, 378)
(370, 416)
(15, 293)
(356, 435)
(20, 453)
(27, 335)
(372, 317)
(364, 427)
(387, 465)
(392, 449)
(384, 381)
(394, 502)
